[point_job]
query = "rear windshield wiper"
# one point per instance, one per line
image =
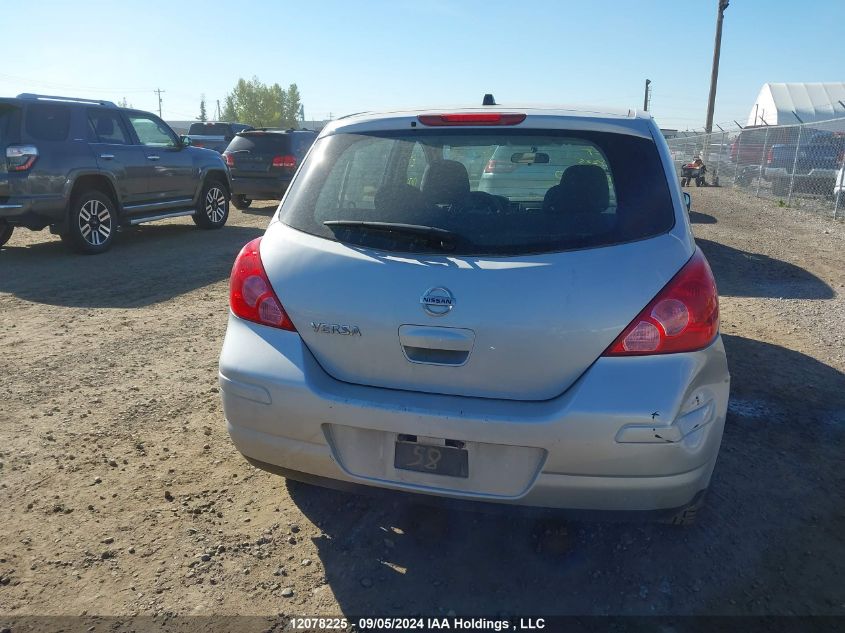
(443, 238)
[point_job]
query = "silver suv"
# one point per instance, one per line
(405, 323)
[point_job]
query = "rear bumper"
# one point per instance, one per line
(34, 212)
(599, 446)
(260, 188)
(816, 173)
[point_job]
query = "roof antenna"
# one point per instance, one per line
(488, 100)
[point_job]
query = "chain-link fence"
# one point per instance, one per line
(797, 165)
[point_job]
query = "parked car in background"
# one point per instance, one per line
(810, 165)
(749, 149)
(262, 162)
(214, 135)
(536, 338)
(523, 172)
(85, 168)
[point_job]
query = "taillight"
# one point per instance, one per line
(770, 156)
(683, 317)
(21, 157)
(472, 118)
(288, 160)
(251, 296)
(229, 159)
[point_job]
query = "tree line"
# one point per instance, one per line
(259, 105)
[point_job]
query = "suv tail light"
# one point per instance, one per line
(288, 160)
(683, 317)
(251, 296)
(228, 159)
(770, 156)
(472, 118)
(21, 157)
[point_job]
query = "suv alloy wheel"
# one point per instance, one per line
(92, 223)
(212, 206)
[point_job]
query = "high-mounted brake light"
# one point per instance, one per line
(228, 159)
(472, 118)
(288, 160)
(251, 296)
(683, 317)
(21, 157)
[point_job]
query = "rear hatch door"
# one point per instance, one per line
(503, 296)
(252, 155)
(520, 328)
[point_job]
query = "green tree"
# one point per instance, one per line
(293, 103)
(123, 103)
(203, 113)
(262, 105)
(229, 113)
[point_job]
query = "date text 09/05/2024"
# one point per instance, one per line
(404, 624)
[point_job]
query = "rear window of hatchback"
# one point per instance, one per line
(496, 192)
(259, 142)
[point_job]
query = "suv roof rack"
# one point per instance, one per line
(36, 97)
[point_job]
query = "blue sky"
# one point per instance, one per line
(360, 55)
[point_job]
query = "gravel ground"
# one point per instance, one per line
(121, 494)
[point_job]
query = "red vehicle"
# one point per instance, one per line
(750, 148)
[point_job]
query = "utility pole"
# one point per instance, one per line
(158, 91)
(217, 117)
(646, 95)
(714, 74)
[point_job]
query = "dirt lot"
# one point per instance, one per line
(120, 492)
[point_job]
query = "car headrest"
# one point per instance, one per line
(394, 201)
(582, 189)
(445, 182)
(105, 126)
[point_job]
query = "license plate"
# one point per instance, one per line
(438, 460)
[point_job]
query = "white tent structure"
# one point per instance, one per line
(786, 104)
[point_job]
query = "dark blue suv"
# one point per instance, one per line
(85, 168)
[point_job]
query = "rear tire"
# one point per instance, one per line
(6, 231)
(241, 202)
(92, 223)
(213, 205)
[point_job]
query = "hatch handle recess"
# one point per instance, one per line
(436, 345)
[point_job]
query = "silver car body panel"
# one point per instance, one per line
(539, 321)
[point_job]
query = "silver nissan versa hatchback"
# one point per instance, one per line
(400, 326)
